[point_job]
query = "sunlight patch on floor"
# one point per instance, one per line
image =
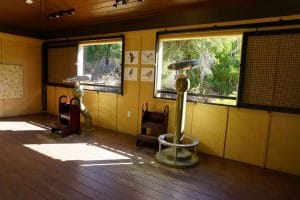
(119, 151)
(105, 164)
(19, 126)
(76, 151)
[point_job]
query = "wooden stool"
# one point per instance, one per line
(156, 121)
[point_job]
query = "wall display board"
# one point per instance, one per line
(11, 81)
(131, 57)
(147, 74)
(148, 57)
(130, 74)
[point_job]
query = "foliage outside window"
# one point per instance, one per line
(210, 62)
(101, 61)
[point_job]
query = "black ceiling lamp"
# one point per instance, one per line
(123, 2)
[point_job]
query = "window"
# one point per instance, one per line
(102, 62)
(61, 63)
(211, 63)
(271, 70)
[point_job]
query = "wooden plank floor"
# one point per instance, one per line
(34, 165)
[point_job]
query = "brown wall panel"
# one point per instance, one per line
(61, 63)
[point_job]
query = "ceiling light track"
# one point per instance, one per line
(123, 2)
(61, 13)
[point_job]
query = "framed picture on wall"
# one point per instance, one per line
(147, 74)
(11, 81)
(130, 74)
(131, 57)
(148, 57)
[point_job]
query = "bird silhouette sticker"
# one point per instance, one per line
(147, 74)
(130, 74)
(131, 57)
(148, 57)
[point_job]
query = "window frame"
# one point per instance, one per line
(76, 43)
(241, 92)
(45, 49)
(105, 88)
(205, 32)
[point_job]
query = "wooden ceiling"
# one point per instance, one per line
(16, 15)
(35, 16)
(98, 11)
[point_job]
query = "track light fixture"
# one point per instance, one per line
(61, 13)
(123, 2)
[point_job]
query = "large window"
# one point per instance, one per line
(61, 63)
(102, 62)
(211, 63)
(271, 70)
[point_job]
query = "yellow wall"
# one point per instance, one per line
(26, 52)
(256, 137)
(209, 127)
(283, 145)
(247, 136)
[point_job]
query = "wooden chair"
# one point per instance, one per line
(153, 125)
(68, 116)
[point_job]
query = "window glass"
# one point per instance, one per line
(210, 62)
(101, 61)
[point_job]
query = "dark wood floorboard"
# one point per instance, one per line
(28, 174)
